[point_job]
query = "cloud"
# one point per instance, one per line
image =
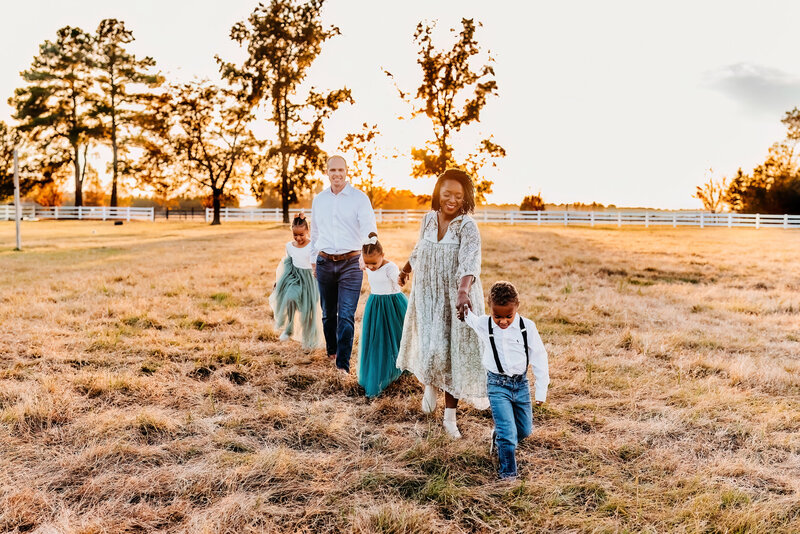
(757, 88)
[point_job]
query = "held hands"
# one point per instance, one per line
(314, 269)
(463, 303)
(402, 278)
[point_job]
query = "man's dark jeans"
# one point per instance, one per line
(339, 288)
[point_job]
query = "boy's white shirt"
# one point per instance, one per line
(511, 349)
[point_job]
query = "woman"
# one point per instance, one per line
(436, 346)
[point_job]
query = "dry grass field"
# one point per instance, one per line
(143, 389)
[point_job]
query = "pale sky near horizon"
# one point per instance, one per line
(623, 102)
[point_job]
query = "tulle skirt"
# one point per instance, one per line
(296, 293)
(381, 329)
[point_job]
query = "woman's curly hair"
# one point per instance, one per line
(457, 175)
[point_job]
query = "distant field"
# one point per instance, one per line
(143, 389)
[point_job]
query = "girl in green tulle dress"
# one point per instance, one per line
(382, 324)
(295, 291)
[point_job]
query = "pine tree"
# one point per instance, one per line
(56, 109)
(119, 105)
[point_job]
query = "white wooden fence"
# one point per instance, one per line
(103, 213)
(564, 218)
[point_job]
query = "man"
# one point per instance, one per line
(341, 220)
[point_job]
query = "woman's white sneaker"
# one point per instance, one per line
(429, 399)
(449, 423)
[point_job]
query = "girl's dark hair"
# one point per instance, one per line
(370, 248)
(457, 175)
(300, 220)
(503, 293)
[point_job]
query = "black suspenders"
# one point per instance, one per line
(494, 347)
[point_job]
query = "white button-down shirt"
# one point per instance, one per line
(340, 223)
(511, 349)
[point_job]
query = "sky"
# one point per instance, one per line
(617, 102)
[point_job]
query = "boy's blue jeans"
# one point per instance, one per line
(339, 288)
(510, 398)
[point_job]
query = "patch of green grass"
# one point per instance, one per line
(229, 356)
(223, 298)
(733, 498)
(149, 367)
(141, 321)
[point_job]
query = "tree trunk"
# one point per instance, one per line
(114, 162)
(285, 161)
(285, 194)
(78, 178)
(215, 202)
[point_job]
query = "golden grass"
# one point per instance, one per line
(143, 388)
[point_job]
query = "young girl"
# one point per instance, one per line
(382, 324)
(295, 288)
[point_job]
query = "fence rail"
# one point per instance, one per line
(103, 213)
(564, 218)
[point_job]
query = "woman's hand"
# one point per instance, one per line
(402, 278)
(463, 303)
(405, 272)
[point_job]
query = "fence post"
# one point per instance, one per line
(128, 214)
(619, 219)
(566, 218)
(512, 217)
(702, 225)
(405, 216)
(730, 220)
(647, 219)
(485, 216)
(80, 208)
(785, 220)
(225, 216)
(591, 219)
(152, 214)
(380, 215)
(539, 217)
(758, 221)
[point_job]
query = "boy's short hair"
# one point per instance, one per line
(503, 293)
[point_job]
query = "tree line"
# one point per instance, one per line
(772, 187)
(88, 89)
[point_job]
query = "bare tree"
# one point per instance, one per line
(712, 193)
(363, 148)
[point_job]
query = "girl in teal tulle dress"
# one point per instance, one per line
(382, 324)
(295, 291)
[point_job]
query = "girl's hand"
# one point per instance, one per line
(539, 403)
(463, 303)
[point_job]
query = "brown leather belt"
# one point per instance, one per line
(339, 257)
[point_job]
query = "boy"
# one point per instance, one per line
(510, 342)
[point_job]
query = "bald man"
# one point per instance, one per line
(342, 218)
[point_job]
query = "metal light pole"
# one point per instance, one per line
(17, 207)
